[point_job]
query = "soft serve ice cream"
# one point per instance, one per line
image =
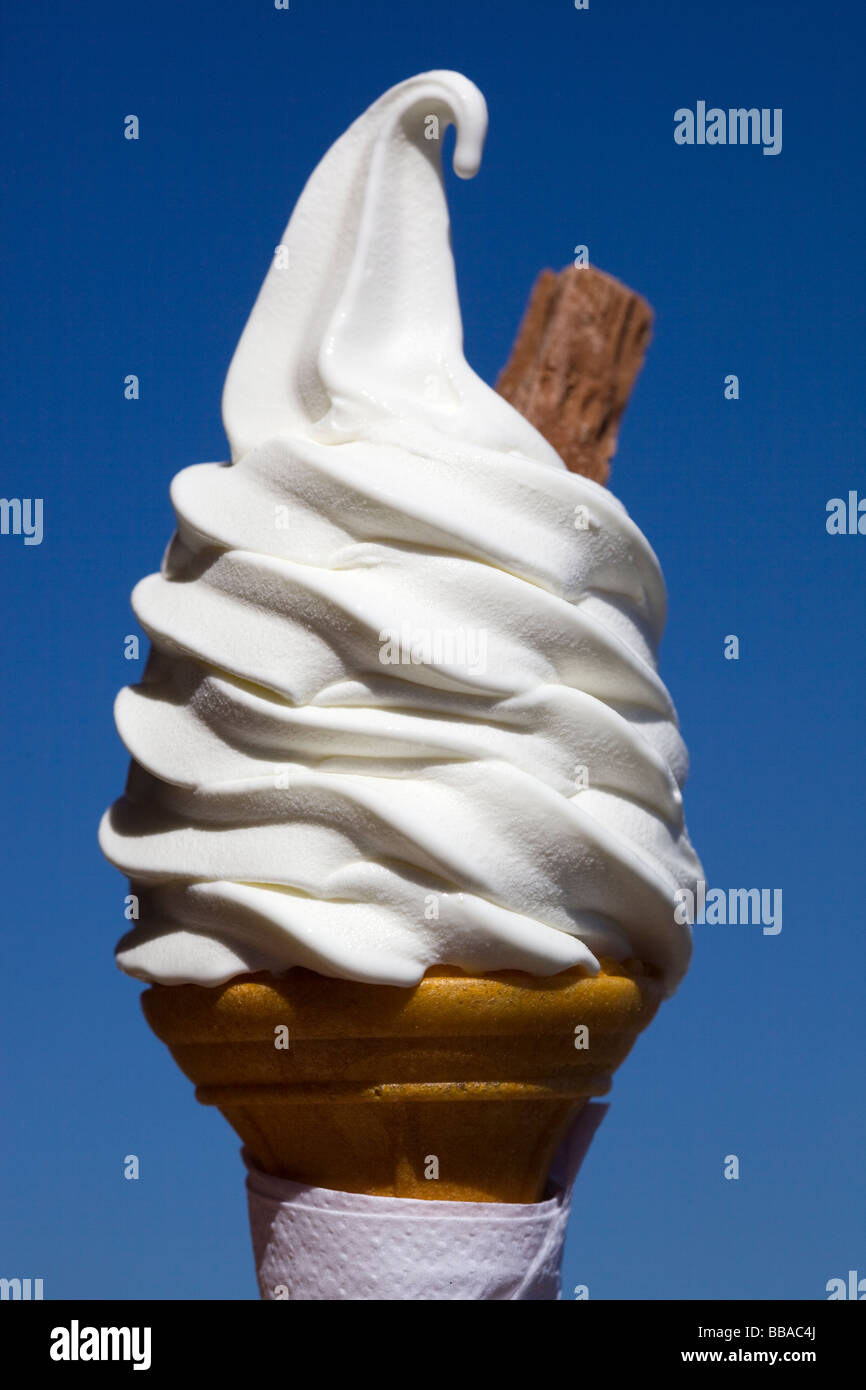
(402, 706)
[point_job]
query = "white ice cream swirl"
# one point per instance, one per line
(402, 706)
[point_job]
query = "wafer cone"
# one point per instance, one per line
(458, 1089)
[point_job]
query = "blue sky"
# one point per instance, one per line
(145, 257)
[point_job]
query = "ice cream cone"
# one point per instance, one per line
(399, 648)
(458, 1089)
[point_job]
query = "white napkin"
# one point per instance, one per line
(314, 1243)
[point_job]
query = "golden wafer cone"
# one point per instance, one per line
(472, 1078)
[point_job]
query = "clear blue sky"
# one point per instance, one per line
(145, 257)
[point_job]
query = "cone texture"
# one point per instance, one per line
(458, 1089)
